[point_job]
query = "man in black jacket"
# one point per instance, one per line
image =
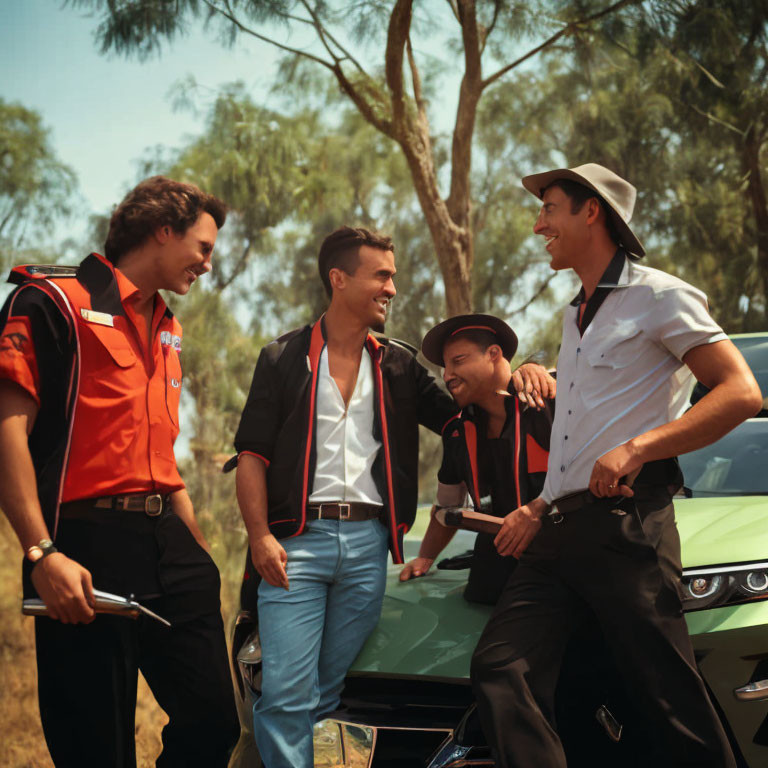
(327, 482)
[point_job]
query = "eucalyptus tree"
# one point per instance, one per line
(36, 188)
(484, 40)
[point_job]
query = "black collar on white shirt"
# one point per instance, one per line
(608, 282)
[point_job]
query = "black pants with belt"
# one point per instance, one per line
(87, 674)
(625, 571)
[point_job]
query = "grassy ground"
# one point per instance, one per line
(22, 744)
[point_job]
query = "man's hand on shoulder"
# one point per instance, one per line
(519, 528)
(533, 384)
(417, 567)
(65, 587)
(269, 559)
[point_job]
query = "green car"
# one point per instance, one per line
(408, 702)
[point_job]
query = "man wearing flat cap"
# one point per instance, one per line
(495, 449)
(601, 537)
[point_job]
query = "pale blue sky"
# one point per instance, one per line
(104, 111)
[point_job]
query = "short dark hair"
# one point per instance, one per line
(341, 249)
(579, 194)
(158, 202)
(479, 337)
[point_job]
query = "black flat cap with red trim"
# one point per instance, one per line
(434, 341)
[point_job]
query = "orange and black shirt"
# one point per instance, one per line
(108, 393)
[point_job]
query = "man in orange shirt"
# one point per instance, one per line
(90, 380)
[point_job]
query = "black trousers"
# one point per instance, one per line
(623, 570)
(87, 674)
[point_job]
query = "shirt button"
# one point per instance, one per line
(578, 350)
(571, 387)
(562, 467)
(570, 412)
(566, 437)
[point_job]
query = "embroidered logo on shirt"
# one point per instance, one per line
(100, 318)
(170, 340)
(175, 383)
(18, 341)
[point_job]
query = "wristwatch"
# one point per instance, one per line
(42, 549)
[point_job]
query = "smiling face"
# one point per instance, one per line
(566, 233)
(366, 292)
(186, 257)
(469, 370)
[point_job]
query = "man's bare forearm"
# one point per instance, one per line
(18, 481)
(251, 484)
(436, 538)
(734, 396)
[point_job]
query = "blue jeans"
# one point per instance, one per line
(311, 634)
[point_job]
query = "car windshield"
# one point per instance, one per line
(755, 351)
(736, 465)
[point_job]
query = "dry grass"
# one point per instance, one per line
(22, 744)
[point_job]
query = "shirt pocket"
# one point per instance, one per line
(615, 347)
(172, 382)
(114, 343)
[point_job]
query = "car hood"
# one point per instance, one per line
(426, 626)
(428, 629)
(719, 530)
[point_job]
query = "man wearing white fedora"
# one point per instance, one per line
(601, 538)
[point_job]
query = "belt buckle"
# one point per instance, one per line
(345, 511)
(556, 515)
(153, 505)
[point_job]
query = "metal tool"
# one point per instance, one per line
(105, 602)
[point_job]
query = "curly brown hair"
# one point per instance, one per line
(341, 249)
(158, 202)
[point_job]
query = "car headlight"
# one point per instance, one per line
(724, 585)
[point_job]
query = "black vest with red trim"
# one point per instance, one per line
(527, 436)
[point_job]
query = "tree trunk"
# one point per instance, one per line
(453, 244)
(757, 197)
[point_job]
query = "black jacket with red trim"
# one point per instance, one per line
(278, 425)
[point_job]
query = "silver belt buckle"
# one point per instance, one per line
(153, 505)
(555, 515)
(345, 511)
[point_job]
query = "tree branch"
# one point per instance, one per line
(543, 287)
(227, 14)
(568, 29)
(469, 95)
(324, 33)
(487, 31)
(397, 35)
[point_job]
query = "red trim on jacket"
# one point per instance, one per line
(470, 438)
(377, 351)
(251, 453)
(316, 345)
(517, 451)
(64, 305)
(538, 458)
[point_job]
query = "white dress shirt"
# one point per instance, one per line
(624, 376)
(345, 446)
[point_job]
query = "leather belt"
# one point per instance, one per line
(580, 500)
(344, 510)
(151, 504)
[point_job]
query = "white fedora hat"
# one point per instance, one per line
(618, 194)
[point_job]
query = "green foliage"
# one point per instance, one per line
(36, 188)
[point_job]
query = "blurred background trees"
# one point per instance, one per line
(419, 118)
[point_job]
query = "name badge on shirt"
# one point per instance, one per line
(100, 318)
